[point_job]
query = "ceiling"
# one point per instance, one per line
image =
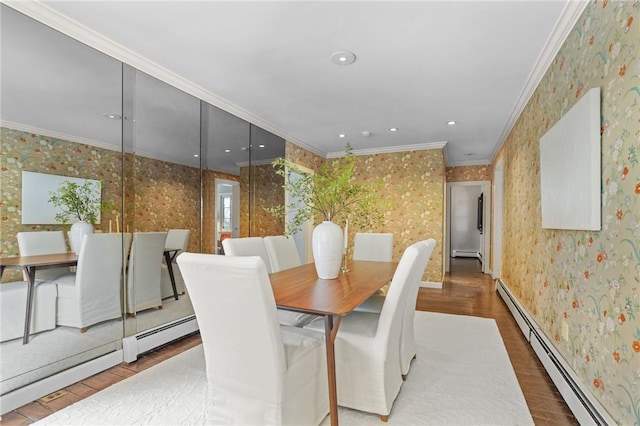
(419, 64)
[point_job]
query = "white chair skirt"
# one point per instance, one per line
(304, 353)
(13, 302)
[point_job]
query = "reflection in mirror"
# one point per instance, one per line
(60, 112)
(164, 217)
(266, 186)
(225, 140)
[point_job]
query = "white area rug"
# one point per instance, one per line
(462, 376)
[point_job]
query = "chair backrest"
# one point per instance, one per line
(249, 246)
(282, 252)
(373, 246)
(236, 312)
(393, 309)
(98, 275)
(41, 242)
(177, 239)
(145, 268)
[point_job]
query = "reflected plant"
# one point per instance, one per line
(78, 201)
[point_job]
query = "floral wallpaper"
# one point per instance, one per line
(469, 173)
(589, 280)
(411, 193)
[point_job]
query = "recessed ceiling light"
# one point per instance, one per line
(261, 146)
(343, 58)
(196, 155)
(393, 129)
(342, 135)
(451, 123)
(111, 116)
(227, 150)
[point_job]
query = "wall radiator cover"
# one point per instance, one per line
(586, 409)
(140, 343)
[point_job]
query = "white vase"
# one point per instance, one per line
(77, 233)
(327, 245)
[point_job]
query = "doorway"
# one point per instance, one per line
(468, 223)
(227, 211)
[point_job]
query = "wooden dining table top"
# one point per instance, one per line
(300, 289)
(43, 260)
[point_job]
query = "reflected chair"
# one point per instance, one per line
(176, 239)
(373, 246)
(43, 242)
(367, 345)
(374, 304)
(92, 294)
(13, 299)
(144, 271)
(283, 254)
(259, 372)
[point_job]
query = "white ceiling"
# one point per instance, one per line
(419, 64)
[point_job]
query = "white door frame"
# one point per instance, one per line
(498, 214)
(486, 217)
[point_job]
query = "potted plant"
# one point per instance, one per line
(78, 203)
(330, 195)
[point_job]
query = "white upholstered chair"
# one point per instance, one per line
(144, 270)
(367, 345)
(283, 254)
(13, 299)
(373, 246)
(43, 242)
(255, 246)
(374, 304)
(92, 294)
(248, 246)
(176, 239)
(258, 371)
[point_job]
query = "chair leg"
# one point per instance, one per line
(83, 329)
(404, 377)
(384, 418)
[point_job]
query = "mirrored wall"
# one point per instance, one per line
(169, 164)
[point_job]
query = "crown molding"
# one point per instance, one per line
(59, 135)
(54, 19)
(390, 149)
(470, 163)
(564, 25)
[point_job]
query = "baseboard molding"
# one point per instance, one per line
(155, 337)
(466, 253)
(430, 284)
(33, 391)
(585, 407)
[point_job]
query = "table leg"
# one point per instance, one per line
(330, 332)
(168, 260)
(31, 279)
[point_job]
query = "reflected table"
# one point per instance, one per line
(169, 256)
(30, 264)
(299, 289)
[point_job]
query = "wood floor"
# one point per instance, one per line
(466, 291)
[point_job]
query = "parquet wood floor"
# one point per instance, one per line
(466, 291)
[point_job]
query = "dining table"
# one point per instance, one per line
(169, 256)
(30, 264)
(299, 289)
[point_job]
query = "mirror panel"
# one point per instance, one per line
(226, 140)
(57, 95)
(166, 175)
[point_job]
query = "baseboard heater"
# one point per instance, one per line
(586, 409)
(135, 345)
(466, 253)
